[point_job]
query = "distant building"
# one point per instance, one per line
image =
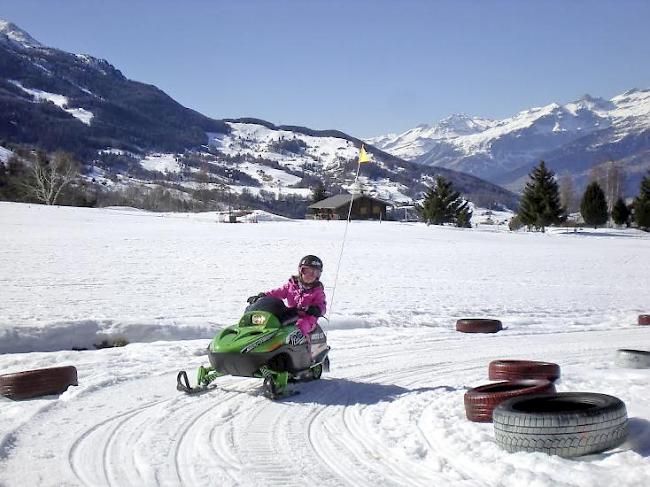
(336, 207)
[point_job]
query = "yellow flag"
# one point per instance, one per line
(363, 156)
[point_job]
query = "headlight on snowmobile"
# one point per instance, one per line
(258, 319)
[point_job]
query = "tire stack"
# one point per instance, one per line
(517, 378)
(530, 416)
(568, 424)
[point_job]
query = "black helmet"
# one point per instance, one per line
(311, 261)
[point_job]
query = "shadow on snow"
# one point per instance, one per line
(639, 437)
(344, 392)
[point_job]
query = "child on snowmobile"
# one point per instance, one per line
(304, 292)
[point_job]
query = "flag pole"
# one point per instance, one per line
(363, 157)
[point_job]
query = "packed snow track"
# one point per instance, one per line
(396, 418)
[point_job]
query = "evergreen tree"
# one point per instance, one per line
(642, 205)
(540, 203)
(443, 205)
(318, 192)
(12, 178)
(464, 218)
(593, 206)
(621, 213)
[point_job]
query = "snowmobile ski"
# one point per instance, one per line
(205, 376)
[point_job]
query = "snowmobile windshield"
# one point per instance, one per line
(275, 306)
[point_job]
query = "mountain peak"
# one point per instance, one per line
(591, 103)
(634, 93)
(14, 33)
(463, 124)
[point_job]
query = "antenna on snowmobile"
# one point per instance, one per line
(363, 158)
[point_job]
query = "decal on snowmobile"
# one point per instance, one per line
(257, 343)
(318, 336)
(295, 338)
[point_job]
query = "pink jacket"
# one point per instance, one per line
(301, 297)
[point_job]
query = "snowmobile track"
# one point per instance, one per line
(363, 424)
(75, 450)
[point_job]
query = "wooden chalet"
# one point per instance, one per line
(336, 207)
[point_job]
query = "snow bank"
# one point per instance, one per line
(90, 334)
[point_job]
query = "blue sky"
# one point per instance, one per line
(364, 67)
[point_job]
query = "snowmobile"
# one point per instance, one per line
(265, 343)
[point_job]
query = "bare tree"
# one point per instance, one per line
(615, 181)
(610, 176)
(49, 177)
(598, 175)
(567, 193)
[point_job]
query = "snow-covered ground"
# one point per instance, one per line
(390, 412)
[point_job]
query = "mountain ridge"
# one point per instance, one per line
(53, 100)
(591, 129)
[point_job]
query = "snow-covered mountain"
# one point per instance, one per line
(260, 158)
(58, 100)
(128, 133)
(418, 141)
(570, 138)
(15, 34)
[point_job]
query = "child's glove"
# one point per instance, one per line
(252, 299)
(313, 311)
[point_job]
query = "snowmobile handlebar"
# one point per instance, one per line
(275, 306)
(252, 299)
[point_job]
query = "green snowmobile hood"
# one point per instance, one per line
(257, 332)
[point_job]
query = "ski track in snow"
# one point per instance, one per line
(363, 424)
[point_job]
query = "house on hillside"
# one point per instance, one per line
(336, 207)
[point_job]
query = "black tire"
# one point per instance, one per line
(481, 401)
(568, 424)
(478, 325)
(522, 370)
(36, 383)
(634, 359)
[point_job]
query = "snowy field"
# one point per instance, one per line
(391, 410)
